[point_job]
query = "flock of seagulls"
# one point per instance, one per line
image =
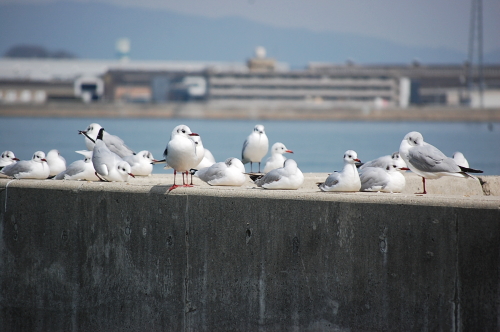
(108, 158)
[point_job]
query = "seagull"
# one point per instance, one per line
(228, 173)
(36, 168)
(207, 159)
(114, 143)
(7, 158)
(180, 153)
(108, 165)
(395, 159)
(255, 146)
(277, 159)
(383, 179)
(141, 163)
(460, 159)
(428, 161)
(345, 180)
(56, 162)
(79, 170)
(287, 177)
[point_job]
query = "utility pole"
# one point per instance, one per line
(476, 23)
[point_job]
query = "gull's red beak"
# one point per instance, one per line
(132, 175)
(194, 134)
(357, 160)
(289, 151)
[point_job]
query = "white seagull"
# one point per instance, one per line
(345, 180)
(255, 146)
(7, 158)
(428, 161)
(79, 170)
(287, 177)
(387, 179)
(228, 173)
(277, 159)
(180, 153)
(114, 143)
(141, 163)
(56, 162)
(36, 168)
(394, 159)
(108, 165)
(460, 159)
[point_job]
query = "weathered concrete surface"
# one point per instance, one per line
(82, 256)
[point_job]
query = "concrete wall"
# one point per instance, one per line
(82, 256)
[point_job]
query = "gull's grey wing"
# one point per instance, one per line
(19, 167)
(117, 145)
(243, 159)
(379, 162)
(373, 177)
(73, 169)
(428, 158)
(102, 157)
(216, 171)
(332, 179)
(273, 176)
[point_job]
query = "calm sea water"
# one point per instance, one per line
(318, 145)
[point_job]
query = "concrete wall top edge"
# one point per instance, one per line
(159, 185)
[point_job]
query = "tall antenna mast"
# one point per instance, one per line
(476, 21)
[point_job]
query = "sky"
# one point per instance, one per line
(429, 23)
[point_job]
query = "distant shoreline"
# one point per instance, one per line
(248, 111)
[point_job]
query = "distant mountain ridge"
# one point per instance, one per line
(90, 30)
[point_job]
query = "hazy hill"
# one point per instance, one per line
(90, 31)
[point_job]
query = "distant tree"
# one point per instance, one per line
(61, 54)
(35, 51)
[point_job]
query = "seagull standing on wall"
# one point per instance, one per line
(228, 173)
(428, 161)
(181, 153)
(277, 159)
(255, 146)
(79, 170)
(108, 165)
(345, 180)
(388, 179)
(141, 163)
(287, 177)
(56, 162)
(114, 143)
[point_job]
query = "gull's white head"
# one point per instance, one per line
(124, 170)
(235, 163)
(396, 156)
(280, 148)
(93, 129)
(414, 138)
(182, 130)
(54, 154)
(351, 157)
(259, 129)
(39, 157)
(146, 155)
(9, 155)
